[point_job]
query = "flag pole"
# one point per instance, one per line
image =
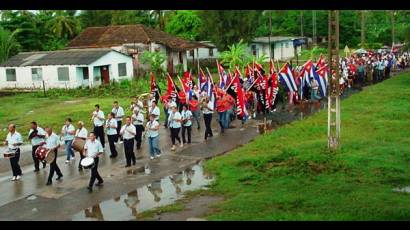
(183, 89)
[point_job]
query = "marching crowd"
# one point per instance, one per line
(180, 115)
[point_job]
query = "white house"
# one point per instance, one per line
(282, 48)
(65, 68)
(134, 40)
(210, 52)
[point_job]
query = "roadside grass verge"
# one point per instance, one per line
(289, 174)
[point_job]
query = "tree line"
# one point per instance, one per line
(24, 30)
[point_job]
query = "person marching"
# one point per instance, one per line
(13, 141)
(207, 109)
(186, 124)
(194, 108)
(68, 132)
(174, 123)
(154, 110)
(153, 137)
(111, 127)
(52, 144)
(138, 121)
(36, 135)
(98, 121)
(128, 133)
(94, 149)
(82, 133)
(118, 115)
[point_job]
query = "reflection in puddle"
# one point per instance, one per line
(159, 193)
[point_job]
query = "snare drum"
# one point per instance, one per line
(50, 157)
(41, 153)
(78, 144)
(87, 162)
(9, 154)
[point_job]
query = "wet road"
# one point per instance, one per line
(30, 199)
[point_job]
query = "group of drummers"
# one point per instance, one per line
(90, 145)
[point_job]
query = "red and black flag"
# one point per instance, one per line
(172, 90)
(155, 90)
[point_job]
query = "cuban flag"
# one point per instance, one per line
(321, 77)
(286, 78)
(223, 76)
(320, 63)
(201, 79)
(307, 73)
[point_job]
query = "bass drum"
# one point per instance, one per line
(50, 157)
(41, 153)
(78, 145)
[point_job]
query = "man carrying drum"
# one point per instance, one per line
(13, 141)
(52, 144)
(81, 134)
(94, 149)
(36, 135)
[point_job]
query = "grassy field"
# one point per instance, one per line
(290, 175)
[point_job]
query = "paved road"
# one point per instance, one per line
(69, 196)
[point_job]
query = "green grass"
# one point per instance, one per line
(24, 108)
(290, 175)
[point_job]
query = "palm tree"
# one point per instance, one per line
(63, 25)
(8, 43)
(235, 55)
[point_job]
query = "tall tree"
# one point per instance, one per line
(63, 25)
(184, 23)
(225, 27)
(8, 44)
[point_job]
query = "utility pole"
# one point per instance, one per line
(314, 27)
(392, 27)
(270, 34)
(301, 23)
(333, 86)
(362, 29)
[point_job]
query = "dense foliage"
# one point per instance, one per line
(52, 29)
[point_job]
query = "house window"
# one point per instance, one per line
(86, 75)
(211, 52)
(254, 50)
(63, 74)
(36, 74)
(181, 60)
(191, 53)
(11, 74)
(122, 69)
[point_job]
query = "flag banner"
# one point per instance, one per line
(321, 62)
(286, 78)
(271, 67)
(238, 91)
(223, 76)
(172, 90)
(155, 90)
(322, 79)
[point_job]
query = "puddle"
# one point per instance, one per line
(159, 193)
(31, 197)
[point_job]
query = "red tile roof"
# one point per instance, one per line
(96, 37)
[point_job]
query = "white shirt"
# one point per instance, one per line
(152, 124)
(206, 110)
(128, 131)
(119, 113)
(93, 148)
(137, 119)
(52, 141)
(171, 120)
(187, 115)
(37, 140)
(81, 133)
(98, 122)
(140, 104)
(65, 131)
(12, 139)
(155, 111)
(112, 122)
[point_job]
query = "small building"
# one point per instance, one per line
(282, 48)
(65, 68)
(134, 40)
(205, 56)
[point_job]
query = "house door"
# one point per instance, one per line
(105, 75)
(170, 62)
